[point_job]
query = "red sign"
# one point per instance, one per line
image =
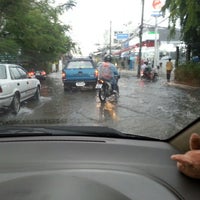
(157, 4)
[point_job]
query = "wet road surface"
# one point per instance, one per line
(145, 108)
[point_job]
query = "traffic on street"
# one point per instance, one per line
(152, 108)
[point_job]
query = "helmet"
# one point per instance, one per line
(108, 58)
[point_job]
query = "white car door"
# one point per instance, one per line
(27, 82)
(19, 83)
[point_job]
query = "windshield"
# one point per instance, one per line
(2, 72)
(126, 70)
(79, 65)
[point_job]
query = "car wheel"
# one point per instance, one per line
(15, 105)
(102, 94)
(94, 87)
(67, 87)
(37, 94)
(155, 78)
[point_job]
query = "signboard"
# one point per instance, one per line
(151, 35)
(122, 36)
(157, 4)
(156, 13)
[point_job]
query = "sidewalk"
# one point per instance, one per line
(162, 76)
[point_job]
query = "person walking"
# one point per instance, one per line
(169, 68)
(131, 61)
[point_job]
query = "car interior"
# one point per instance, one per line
(83, 167)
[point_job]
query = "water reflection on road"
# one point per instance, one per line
(144, 108)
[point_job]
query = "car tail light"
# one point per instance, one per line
(63, 75)
(96, 73)
(30, 74)
(100, 81)
(43, 73)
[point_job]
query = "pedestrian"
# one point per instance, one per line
(160, 67)
(169, 67)
(131, 61)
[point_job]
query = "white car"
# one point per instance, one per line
(16, 87)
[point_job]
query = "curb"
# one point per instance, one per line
(174, 83)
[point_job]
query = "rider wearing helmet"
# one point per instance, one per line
(108, 72)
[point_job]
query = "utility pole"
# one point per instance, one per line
(140, 37)
(156, 53)
(157, 5)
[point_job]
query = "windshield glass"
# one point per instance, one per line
(79, 65)
(127, 71)
(2, 72)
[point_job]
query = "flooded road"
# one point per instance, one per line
(144, 108)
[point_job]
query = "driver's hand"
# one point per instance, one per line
(189, 163)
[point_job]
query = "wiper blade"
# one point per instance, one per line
(90, 131)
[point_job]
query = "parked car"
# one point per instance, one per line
(40, 74)
(16, 86)
(79, 72)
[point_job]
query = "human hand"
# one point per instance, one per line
(189, 163)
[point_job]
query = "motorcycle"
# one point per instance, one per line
(146, 75)
(105, 90)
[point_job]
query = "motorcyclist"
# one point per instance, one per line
(108, 72)
(147, 70)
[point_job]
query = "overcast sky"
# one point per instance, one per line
(91, 18)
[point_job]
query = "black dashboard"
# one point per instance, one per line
(91, 168)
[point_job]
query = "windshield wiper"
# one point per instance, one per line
(90, 131)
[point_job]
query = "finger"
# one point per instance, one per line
(181, 158)
(194, 141)
(177, 157)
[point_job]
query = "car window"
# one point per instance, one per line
(15, 73)
(3, 74)
(22, 72)
(80, 65)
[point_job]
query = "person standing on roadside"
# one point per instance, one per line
(169, 67)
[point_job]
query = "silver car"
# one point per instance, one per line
(16, 87)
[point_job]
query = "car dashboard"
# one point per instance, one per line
(95, 168)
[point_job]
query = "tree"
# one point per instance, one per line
(187, 12)
(32, 31)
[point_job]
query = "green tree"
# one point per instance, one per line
(31, 30)
(187, 13)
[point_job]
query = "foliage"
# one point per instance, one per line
(186, 12)
(188, 73)
(31, 30)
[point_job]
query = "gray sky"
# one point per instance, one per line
(91, 18)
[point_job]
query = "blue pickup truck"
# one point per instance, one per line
(79, 72)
